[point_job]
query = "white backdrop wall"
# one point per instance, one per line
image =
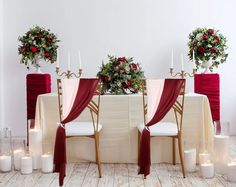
(1, 63)
(144, 29)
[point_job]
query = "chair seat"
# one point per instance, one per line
(161, 129)
(80, 128)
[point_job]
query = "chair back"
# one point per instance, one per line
(178, 106)
(93, 106)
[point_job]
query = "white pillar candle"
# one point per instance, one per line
(46, 163)
(80, 62)
(5, 163)
(172, 59)
(68, 61)
(231, 171)
(17, 154)
(221, 153)
(204, 158)
(26, 165)
(35, 146)
(190, 160)
(182, 62)
(207, 170)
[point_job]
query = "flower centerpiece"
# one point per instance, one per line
(207, 44)
(38, 43)
(121, 76)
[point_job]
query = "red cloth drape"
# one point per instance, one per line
(169, 95)
(209, 85)
(84, 95)
(36, 84)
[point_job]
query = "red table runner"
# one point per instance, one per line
(209, 85)
(36, 84)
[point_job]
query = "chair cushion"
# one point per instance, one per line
(161, 129)
(80, 128)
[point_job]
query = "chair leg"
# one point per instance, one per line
(181, 155)
(97, 153)
(173, 150)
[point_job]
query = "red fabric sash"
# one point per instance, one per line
(84, 95)
(169, 95)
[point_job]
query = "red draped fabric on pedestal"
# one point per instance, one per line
(36, 84)
(84, 95)
(209, 85)
(171, 90)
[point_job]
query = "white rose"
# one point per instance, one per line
(199, 36)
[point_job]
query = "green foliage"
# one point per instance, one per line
(38, 43)
(207, 43)
(121, 76)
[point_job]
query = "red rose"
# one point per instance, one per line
(48, 40)
(124, 85)
(117, 63)
(201, 49)
(121, 59)
(134, 66)
(213, 50)
(46, 54)
(128, 83)
(105, 78)
(211, 31)
(40, 35)
(204, 36)
(216, 39)
(33, 49)
(133, 90)
(22, 49)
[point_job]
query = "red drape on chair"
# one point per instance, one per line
(169, 95)
(84, 95)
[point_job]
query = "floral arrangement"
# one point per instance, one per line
(38, 43)
(121, 76)
(207, 44)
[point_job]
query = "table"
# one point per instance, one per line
(119, 115)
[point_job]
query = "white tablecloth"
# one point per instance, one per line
(119, 115)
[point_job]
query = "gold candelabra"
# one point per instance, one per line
(68, 73)
(182, 73)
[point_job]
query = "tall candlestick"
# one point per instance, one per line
(80, 62)
(68, 60)
(57, 62)
(172, 59)
(182, 62)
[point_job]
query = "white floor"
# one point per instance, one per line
(117, 175)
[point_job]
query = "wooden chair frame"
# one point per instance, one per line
(94, 108)
(178, 111)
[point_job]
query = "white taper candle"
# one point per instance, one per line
(172, 59)
(68, 63)
(182, 62)
(80, 62)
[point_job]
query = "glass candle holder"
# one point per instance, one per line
(5, 150)
(26, 164)
(18, 152)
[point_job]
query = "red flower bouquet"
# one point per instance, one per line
(121, 76)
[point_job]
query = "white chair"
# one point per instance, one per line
(167, 129)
